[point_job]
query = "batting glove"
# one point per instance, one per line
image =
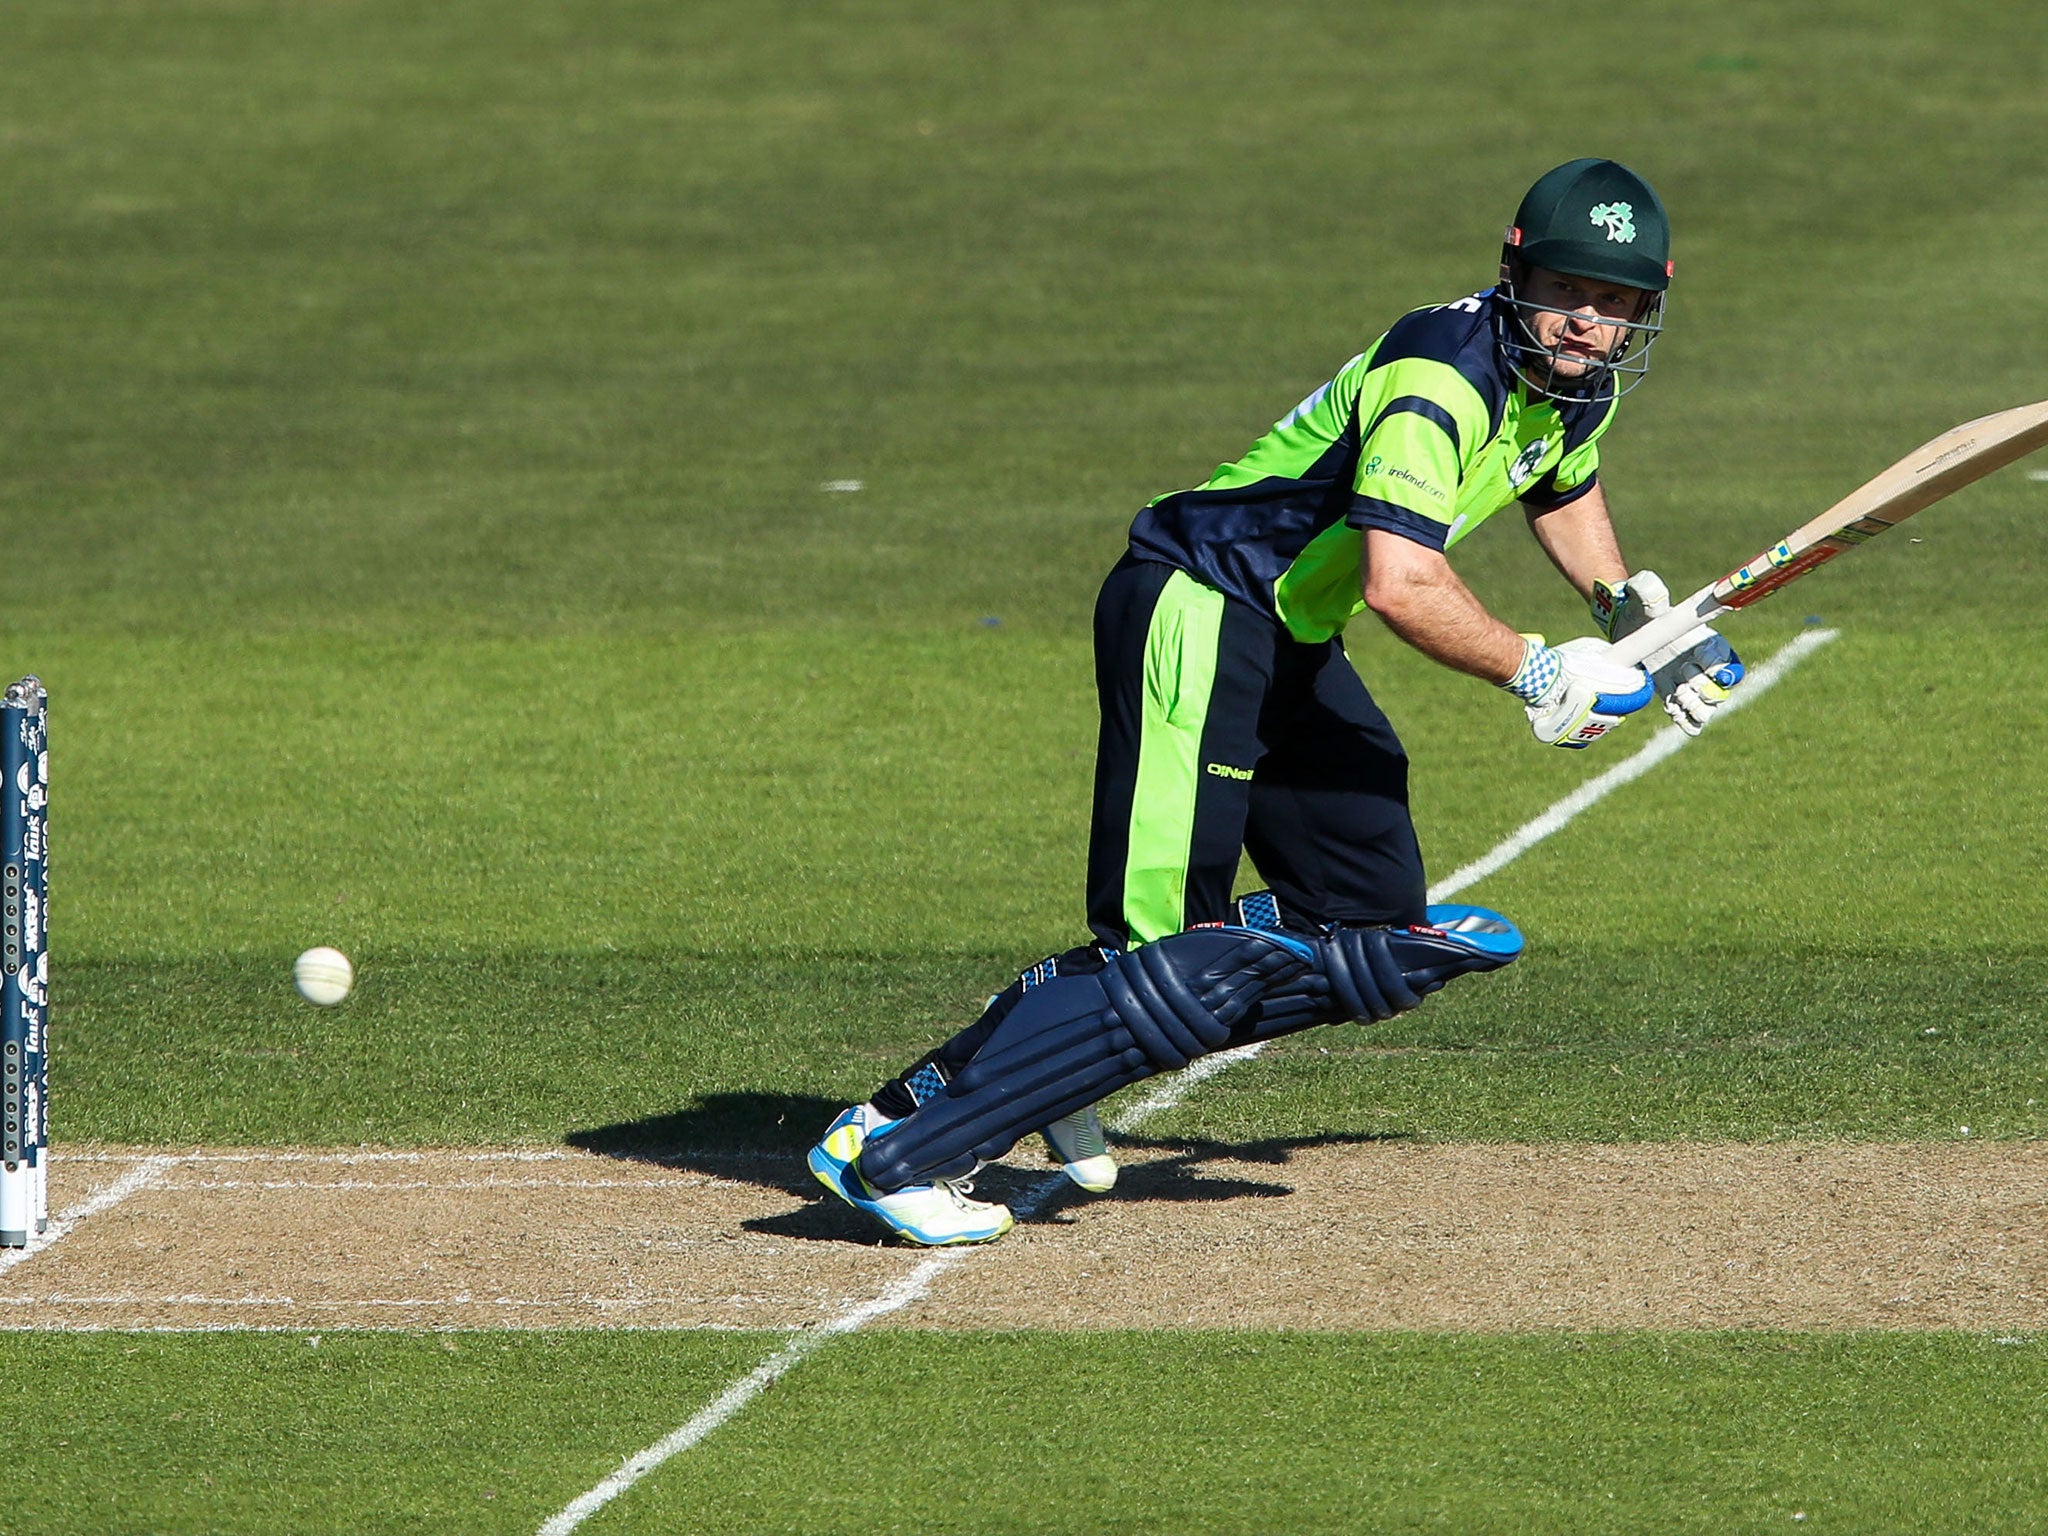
(1572, 694)
(1693, 675)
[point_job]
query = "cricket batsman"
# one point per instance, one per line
(1232, 719)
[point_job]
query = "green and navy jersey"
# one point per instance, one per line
(1426, 434)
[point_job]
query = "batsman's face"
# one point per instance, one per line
(1581, 318)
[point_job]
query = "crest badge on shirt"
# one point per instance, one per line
(1525, 466)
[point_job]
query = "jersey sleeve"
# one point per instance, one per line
(1578, 471)
(1420, 424)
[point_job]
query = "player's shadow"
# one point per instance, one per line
(757, 1138)
(761, 1138)
(1041, 1195)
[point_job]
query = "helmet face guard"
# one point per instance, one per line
(1624, 367)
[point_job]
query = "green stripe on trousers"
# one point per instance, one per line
(1180, 673)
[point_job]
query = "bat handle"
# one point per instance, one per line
(1685, 624)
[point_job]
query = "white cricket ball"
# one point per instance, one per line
(323, 976)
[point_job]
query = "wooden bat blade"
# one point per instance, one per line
(1937, 468)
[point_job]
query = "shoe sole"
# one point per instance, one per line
(825, 1169)
(1097, 1175)
(828, 1172)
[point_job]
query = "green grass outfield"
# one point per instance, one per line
(414, 428)
(1015, 1434)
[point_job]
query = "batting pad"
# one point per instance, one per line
(1072, 1040)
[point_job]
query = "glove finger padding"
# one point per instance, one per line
(1698, 682)
(1622, 607)
(1693, 674)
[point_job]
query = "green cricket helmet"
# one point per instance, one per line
(1592, 219)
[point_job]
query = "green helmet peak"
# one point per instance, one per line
(1597, 219)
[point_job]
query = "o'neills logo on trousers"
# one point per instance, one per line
(1225, 771)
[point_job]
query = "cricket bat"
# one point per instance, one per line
(1923, 477)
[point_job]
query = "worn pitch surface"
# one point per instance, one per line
(1324, 1236)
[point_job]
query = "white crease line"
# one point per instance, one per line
(913, 1286)
(1627, 771)
(122, 1299)
(598, 1303)
(395, 1328)
(900, 1293)
(382, 1155)
(343, 1304)
(141, 1176)
(684, 1159)
(659, 1186)
(1172, 1089)
(492, 1155)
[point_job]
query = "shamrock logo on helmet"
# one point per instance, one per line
(1619, 218)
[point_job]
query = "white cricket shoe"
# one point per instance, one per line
(930, 1215)
(1083, 1152)
(935, 1215)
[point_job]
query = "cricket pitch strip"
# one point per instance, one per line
(1329, 1234)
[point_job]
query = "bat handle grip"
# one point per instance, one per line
(1685, 625)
